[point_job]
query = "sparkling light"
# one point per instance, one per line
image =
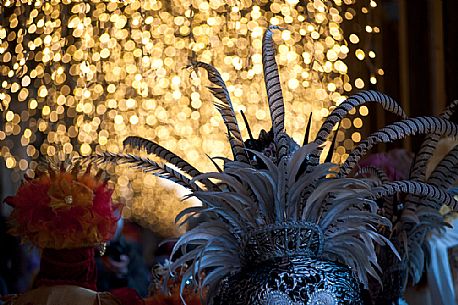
(77, 77)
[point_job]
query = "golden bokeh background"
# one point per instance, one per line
(77, 77)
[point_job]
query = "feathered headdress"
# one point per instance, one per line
(63, 208)
(275, 199)
(414, 205)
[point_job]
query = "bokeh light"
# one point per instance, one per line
(77, 77)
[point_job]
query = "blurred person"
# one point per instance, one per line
(123, 264)
(67, 215)
(11, 263)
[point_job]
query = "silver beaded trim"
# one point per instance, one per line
(322, 297)
(276, 297)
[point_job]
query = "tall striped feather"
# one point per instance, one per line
(147, 165)
(353, 101)
(396, 131)
(418, 171)
(165, 154)
(428, 146)
(226, 110)
(415, 188)
(446, 172)
(274, 93)
(152, 147)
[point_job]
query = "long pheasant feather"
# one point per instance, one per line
(342, 110)
(152, 147)
(146, 165)
(428, 146)
(446, 172)
(274, 93)
(418, 189)
(226, 110)
(353, 101)
(396, 131)
(158, 150)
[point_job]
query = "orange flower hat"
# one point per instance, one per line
(60, 209)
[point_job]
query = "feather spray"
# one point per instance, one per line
(275, 199)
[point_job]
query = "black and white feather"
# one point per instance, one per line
(225, 108)
(288, 189)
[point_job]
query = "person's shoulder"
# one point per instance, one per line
(59, 294)
(67, 294)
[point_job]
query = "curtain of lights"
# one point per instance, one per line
(77, 77)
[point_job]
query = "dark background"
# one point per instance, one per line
(417, 48)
